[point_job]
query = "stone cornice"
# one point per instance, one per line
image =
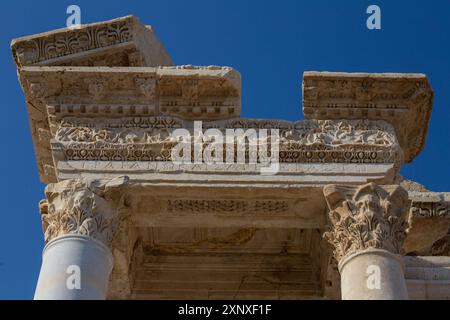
(404, 100)
(118, 42)
(366, 217)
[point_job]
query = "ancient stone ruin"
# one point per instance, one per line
(104, 101)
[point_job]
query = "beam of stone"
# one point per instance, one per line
(403, 100)
(367, 229)
(119, 42)
(53, 93)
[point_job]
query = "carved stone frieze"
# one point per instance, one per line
(365, 217)
(227, 207)
(53, 93)
(430, 209)
(85, 207)
(150, 139)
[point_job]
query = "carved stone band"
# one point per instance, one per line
(83, 207)
(366, 217)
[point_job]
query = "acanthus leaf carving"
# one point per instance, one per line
(84, 207)
(366, 217)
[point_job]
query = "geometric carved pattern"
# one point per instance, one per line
(149, 139)
(227, 206)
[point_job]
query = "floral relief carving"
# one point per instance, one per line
(369, 216)
(84, 207)
(308, 141)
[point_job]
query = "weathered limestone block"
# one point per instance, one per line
(428, 277)
(429, 221)
(403, 100)
(53, 93)
(119, 42)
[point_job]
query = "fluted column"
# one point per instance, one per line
(80, 219)
(367, 229)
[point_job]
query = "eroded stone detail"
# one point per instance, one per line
(369, 216)
(400, 99)
(74, 41)
(150, 139)
(85, 207)
(119, 42)
(430, 209)
(429, 223)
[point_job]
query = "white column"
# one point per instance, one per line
(80, 218)
(373, 274)
(367, 230)
(74, 267)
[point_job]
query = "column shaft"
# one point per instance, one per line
(373, 275)
(74, 267)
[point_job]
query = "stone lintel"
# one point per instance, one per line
(119, 42)
(403, 100)
(53, 93)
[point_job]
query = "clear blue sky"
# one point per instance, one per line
(270, 42)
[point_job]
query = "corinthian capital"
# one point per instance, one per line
(85, 207)
(364, 217)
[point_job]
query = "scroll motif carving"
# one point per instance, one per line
(149, 139)
(369, 216)
(85, 207)
(74, 41)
